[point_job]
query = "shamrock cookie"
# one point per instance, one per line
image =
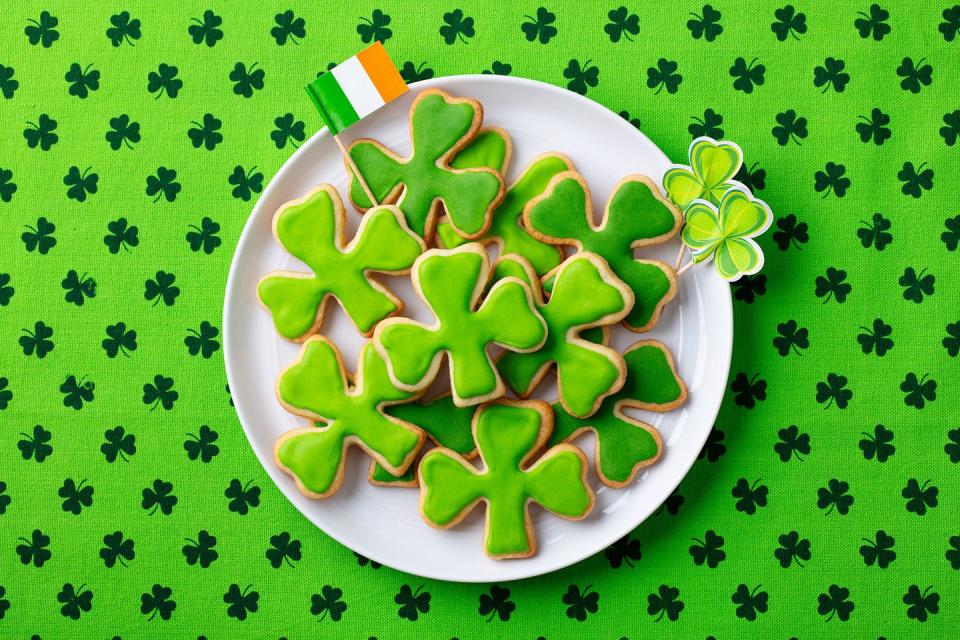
(451, 283)
(446, 424)
(440, 125)
(585, 294)
(636, 215)
(508, 436)
(625, 445)
(317, 387)
(505, 228)
(311, 229)
(491, 148)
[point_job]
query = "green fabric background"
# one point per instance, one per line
(607, 596)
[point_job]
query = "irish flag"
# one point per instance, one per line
(356, 88)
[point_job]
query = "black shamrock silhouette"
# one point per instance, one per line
(789, 22)
(581, 76)
(713, 449)
(708, 125)
(833, 285)
(951, 23)
(921, 604)
(163, 185)
(8, 86)
(664, 76)
(288, 129)
(75, 496)
(159, 496)
(950, 130)
(836, 602)
(80, 184)
(76, 392)
(412, 603)
(201, 446)
(834, 390)
(539, 27)
(789, 127)
(37, 342)
(207, 133)
(624, 551)
(39, 238)
(580, 603)
(364, 561)
(951, 237)
(75, 600)
(706, 24)
(200, 551)
(245, 183)
(876, 339)
(5, 394)
(116, 548)
(878, 551)
(873, 24)
(666, 602)
(283, 549)
(496, 604)
(164, 81)
(161, 288)
(752, 178)
(160, 393)
(918, 391)
(241, 603)
(916, 285)
(623, 24)
(123, 28)
(498, 68)
(748, 390)
(831, 179)
(792, 444)
(875, 233)
(289, 27)
(4, 499)
(82, 80)
(831, 74)
(920, 497)
(792, 550)
(123, 132)
(790, 232)
(121, 235)
(41, 133)
(747, 76)
(118, 444)
(157, 602)
(878, 445)
(708, 551)
(915, 180)
(246, 80)
(411, 72)
(36, 445)
(375, 27)
(202, 342)
(874, 128)
(792, 337)
(205, 236)
(749, 496)
(78, 287)
(952, 342)
(456, 26)
(43, 30)
(34, 551)
(242, 496)
(119, 339)
(749, 603)
(953, 553)
(6, 291)
(206, 30)
(328, 601)
(7, 186)
(835, 496)
(915, 75)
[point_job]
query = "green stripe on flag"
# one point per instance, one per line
(332, 102)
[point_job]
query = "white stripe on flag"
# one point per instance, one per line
(358, 87)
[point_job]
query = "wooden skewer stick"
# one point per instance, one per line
(684, 268)
(683, 250)
(356, 171)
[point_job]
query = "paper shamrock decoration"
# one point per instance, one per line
(505, 228)
(725, 233)
(626, 445)
(311, 229)
(637, 215)
(508, 436)
(585, 294)
(317, 387)
(446, 424)
(440, 125)
(710, 174)
(451, 283)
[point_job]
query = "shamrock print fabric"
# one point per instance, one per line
(134, 141)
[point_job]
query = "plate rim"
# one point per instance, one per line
(228, 321)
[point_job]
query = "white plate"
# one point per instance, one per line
(384, 523)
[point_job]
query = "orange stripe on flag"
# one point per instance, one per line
(376, 62)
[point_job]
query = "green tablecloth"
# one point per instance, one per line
(133, 146)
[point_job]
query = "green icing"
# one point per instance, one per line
(636, 215)
(451, 282)
(506, 228)
(585, 294)
(444, 422)
(490, 149)
(625, 445)
(317, 387)
(311, 229)
(439, 125)
(507, 436)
